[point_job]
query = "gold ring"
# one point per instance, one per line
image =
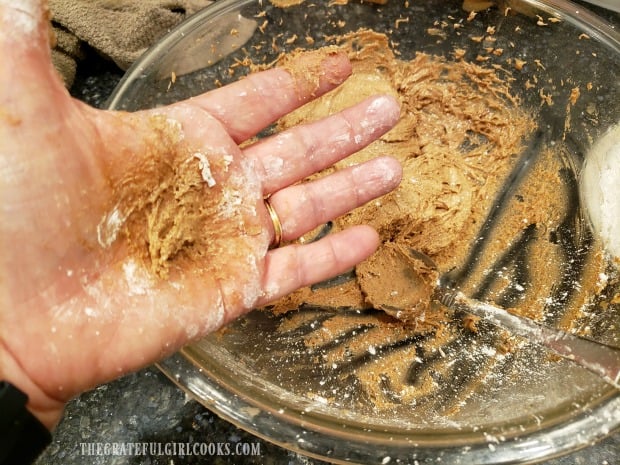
(277, 225)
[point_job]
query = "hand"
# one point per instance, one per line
(126, 235)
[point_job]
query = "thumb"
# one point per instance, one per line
(25, 48)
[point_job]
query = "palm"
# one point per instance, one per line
(86, 295)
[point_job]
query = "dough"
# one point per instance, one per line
(458, 136)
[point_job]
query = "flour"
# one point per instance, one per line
(600, 191)
(109, 227)
(137, 278)
(205, 169)
(25, 17)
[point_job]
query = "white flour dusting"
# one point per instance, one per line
(137, 278)
(24, 15)
(109, 226)
(205, 169)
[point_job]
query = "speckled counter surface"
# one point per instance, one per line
(145, 407)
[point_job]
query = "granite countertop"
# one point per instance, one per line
(146, 407)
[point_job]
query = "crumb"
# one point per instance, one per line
(545, 98)
(459, 53)
(574, 95)
(519, 64)
(433, 31)
(399, 21)
(173, 79)
(470, 322)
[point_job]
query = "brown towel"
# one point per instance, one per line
(118, 29)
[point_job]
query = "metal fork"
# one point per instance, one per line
(601, 359)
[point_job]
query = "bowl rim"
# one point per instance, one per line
(300, 434)
(596, 27)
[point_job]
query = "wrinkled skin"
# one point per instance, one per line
(71, 313)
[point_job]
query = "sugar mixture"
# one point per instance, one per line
(460, 133)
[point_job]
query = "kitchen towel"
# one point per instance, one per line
(120, 30)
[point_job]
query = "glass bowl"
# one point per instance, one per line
(351, 384)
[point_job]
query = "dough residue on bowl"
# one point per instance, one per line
(461, 133)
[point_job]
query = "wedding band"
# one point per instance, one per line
(277, 225)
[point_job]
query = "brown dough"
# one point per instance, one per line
(459, 132)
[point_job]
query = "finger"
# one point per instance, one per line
(295, 266)
(303, 207)
(248, 106)
(300, 151)
(25, 25)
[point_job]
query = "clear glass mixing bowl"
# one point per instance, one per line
(484, 405)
